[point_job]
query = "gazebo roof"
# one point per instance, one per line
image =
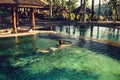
(23, 3)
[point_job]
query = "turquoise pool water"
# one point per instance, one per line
(97, 32)
(85, 60)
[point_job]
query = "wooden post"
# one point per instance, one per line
(17, 17)
(14, 19)
(32, 19)
(91, 31)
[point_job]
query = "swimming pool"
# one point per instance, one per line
(85, 60)
(99, 32)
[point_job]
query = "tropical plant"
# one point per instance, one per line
(113, 8)
(5, 11)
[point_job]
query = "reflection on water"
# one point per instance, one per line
(83, 61)
(106, 33)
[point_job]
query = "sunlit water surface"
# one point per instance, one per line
(85, 60)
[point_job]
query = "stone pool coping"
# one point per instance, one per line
(2, 35)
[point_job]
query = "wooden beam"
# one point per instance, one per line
(32, 18)
(14, 19)
(29, 6)
(22, 5)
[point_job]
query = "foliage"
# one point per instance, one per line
(101, 17)
(72, 4)
(1, 12)
(119, 18)
(72, 16)
(44, 1)
(113, 8)
(64, 16)
(5, 11)
(59, 2)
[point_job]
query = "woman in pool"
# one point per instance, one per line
(61, 44)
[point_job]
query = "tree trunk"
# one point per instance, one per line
(81, 2)
(99, 8)
(50, 8)
(84, 11)
(69, 9)
(92, 9)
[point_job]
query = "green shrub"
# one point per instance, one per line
(72, 16)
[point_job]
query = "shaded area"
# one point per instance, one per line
(56, 74)
(106, 49)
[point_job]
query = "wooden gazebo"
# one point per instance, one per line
(15, 4)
